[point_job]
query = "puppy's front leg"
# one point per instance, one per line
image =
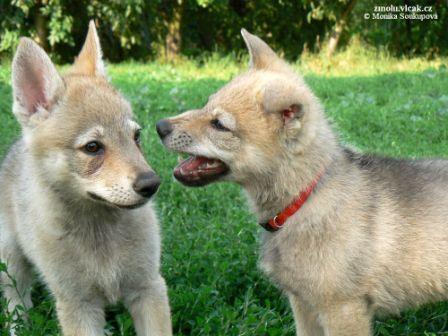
(150, 310)
(347, 319)
(81, 318)
(306, 322)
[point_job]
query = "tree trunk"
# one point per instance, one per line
(410, 44)
(173, 39)
(40, 22)
(338, 28)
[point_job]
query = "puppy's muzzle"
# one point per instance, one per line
(164, 128)
(146, 184)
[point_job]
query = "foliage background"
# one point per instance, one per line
(144, 29)
(385, 90)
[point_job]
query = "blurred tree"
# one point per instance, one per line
(173, 20)
(124, 27)
(340, 16)
(40, 21)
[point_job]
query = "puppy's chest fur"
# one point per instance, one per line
(102, 254)
(94, 252)
(296, 267)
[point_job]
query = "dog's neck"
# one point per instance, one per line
(86, 223)
(270, 194)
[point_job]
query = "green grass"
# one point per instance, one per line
(210, 240)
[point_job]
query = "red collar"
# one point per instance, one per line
(277, 222)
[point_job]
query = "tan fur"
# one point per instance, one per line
(89, 252)
(372, 237)
(89, 62)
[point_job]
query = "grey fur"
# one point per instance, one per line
(89, 253)
(373, 236)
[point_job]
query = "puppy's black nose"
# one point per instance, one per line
(164, 128)
(146, 184)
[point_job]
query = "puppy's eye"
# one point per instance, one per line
(137, 137)
(93, 147)
(218, 125)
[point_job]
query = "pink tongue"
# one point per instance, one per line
(194, 162)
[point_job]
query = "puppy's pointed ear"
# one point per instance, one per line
(89, 61)
(289, 101)
(36, 83)
(261, 55)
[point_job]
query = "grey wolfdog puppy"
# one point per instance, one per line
(349, 235)
(74, 201)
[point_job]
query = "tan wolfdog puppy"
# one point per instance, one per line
(372, 237)
(74, 200)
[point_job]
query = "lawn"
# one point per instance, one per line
(210, 240)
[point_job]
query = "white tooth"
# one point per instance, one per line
(214, 164)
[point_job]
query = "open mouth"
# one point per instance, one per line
(198, 171)
(101, 199)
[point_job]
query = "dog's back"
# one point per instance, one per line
(407, 202)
